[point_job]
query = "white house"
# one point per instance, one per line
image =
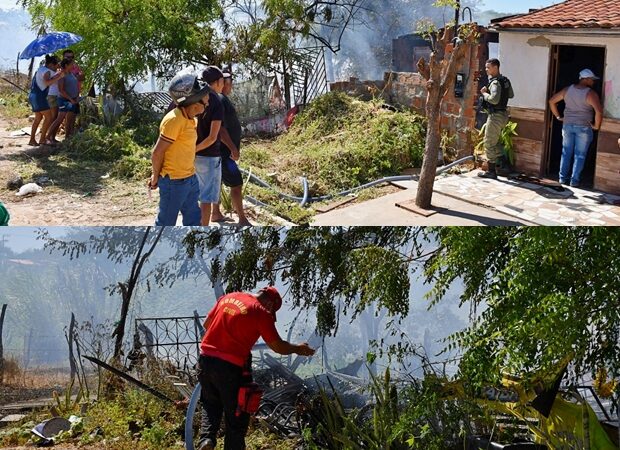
(542, 52)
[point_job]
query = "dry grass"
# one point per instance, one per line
(33, 378)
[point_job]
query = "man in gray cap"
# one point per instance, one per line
(582, 106)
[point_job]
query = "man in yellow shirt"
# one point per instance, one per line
(175, 151)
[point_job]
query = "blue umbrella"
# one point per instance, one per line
(49, 43)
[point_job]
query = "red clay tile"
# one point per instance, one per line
(570, 14)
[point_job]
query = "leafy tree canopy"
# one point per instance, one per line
(541, 294)
(125, 39)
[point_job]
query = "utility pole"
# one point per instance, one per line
(457, 16)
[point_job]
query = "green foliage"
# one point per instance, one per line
(537, 295)
(258, 439)
(322, 267)
(413, 415)
(130, 38)
(64, 403)
(113, 145)
(135, 420)
(431, 421)
(140, 116)
(505, 139)
(261, 35)
(15, 105)
(339, 143)
(545, 294)
(17, 435)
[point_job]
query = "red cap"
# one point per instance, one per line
(272, 294)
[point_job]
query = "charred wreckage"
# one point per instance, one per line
(290, 403)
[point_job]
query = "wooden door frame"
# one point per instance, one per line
(545, 160)
(554, 53)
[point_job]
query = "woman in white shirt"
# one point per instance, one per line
(52, 95)
(45, 77)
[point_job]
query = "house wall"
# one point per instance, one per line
(525, 60)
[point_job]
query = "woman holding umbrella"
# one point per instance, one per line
(45, 77)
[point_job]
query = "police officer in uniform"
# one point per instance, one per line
(495, 98)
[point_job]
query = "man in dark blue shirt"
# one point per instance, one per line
(230, 135)
(209, 160)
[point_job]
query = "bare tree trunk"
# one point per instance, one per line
(2, 314)
(128, 287)
(27, 347)
(72, 362)
(30, 69)
(440, 74)
(431, 148)
(287, 85)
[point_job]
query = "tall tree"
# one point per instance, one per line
(545, 293)
(440, 75)
(133, 246)
(148, 268)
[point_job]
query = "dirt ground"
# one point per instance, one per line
(87, 199)
(85, 195)
(73, 196)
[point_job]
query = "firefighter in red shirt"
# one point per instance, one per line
(232, 327)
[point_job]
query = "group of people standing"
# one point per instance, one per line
(197, 150)
(54, 97)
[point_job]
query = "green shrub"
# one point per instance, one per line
(114, 145)
(136, 167)
(14, 105)
(339, 143)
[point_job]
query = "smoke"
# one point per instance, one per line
(42, 295)
(366, 46)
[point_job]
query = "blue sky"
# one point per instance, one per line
(515, 6)
(20, 239)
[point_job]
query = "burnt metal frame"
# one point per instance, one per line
(175, 339)
(309, 74)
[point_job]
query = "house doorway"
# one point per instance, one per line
(566, 63)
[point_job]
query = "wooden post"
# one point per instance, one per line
(2, 314)
(30, 69)
(27, 346)
(287, 85)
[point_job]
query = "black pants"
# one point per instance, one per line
(220, 381)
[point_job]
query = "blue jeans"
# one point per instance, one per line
(178, 196)
(209, 173)
(575, 145)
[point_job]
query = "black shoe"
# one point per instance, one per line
(491, 174)
(206, 445)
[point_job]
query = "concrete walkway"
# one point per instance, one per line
(533, 202)
(466, 200)
(384, 212)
